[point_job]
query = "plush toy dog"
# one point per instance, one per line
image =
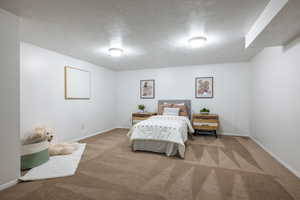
(62, 149)
(39, 134)
(42, 134)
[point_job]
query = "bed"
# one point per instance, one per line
(163, 133)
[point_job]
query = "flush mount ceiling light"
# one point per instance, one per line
(115, 52)
(196, 42)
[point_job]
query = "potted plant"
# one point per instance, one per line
(204, 111)
(141, 107)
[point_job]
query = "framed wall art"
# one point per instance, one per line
(77, 83)
(204, 87)
(147, 89)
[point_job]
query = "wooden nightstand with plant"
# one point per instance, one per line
(140, 116)
(206, 122)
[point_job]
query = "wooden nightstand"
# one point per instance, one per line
(206, 123)
(140, 116)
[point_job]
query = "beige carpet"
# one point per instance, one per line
(224, 168)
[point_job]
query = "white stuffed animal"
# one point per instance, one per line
(42, 134)
(38, 135)
(62, 149)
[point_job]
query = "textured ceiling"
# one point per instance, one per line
(153, 33)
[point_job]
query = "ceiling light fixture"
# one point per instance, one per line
(196, 42)
(115, 52)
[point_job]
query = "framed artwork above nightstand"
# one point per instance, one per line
(204, 87)
(147, 89)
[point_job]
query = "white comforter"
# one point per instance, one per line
(163, 128)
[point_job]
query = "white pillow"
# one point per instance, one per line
(171, 111)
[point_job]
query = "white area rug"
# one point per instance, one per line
(57, 166)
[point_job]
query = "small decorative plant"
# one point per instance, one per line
(204, 111)
(141, 107)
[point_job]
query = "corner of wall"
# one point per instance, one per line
(10, 99)
(266, 70)
(291, 169)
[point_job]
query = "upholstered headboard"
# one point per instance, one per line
(187, 103)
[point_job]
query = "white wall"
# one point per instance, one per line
(231, 92)
(9, 100)
(275, 102)
(42, 96)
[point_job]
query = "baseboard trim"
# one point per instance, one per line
(124, 127)
(8, 184)
(297, 174)
(233, 134)
(91, 135)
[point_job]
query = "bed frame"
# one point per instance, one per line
(186, 102)
(161, 146)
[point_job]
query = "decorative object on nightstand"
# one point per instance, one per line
(204, 111)
(141, 107)
(206, 122)
(137, 117)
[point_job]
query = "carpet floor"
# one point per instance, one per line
(224, 168)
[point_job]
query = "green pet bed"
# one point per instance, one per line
(34, 155)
